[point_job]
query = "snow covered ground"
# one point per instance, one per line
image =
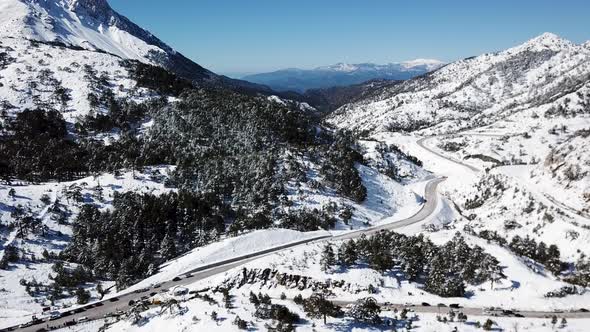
(522, 290)
(34, 72)
(15, 303)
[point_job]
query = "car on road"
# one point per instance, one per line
(517, 315)
(454, 306)
(176, 279)
(188, 275)
(157, 285)
(441, 305)
(82, 319)
(425, 304)
(492, 311)
(179, 291)
(114, 299)
(55, 316)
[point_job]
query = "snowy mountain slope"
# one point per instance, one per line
(342, 74)
(36, 75)
(567, 167)
(92, 25)
(475, 91)
(52, 204)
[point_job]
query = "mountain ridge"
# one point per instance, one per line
(342, 74)
(475, 91)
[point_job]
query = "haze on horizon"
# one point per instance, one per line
(235, 37)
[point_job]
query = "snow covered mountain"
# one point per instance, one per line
(93, 25)
(342, 74)
(477, 91)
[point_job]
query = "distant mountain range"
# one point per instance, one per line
(342, 74)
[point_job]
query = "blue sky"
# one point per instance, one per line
(243, 36)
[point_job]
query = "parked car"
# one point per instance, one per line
(82, 319)
(176, 279)
(454, 306)
(425, 304)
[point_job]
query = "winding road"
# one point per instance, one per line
(111, 306)
(120, 303)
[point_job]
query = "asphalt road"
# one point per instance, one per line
(121, 303)
(421, 143)
(470, 311)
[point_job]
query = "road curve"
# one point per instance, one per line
(98, 310)
(421, 143)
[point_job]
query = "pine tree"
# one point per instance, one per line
(366, 310)
(328, 258)
(82, 296)
(254, 299)
(168, 247)
(436, 277)
(317, 306)
(348, 255)
(563, 322)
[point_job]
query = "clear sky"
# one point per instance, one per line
(243, 36)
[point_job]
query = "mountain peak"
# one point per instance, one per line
(341, 66)
(429, 64)
(547, 40)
